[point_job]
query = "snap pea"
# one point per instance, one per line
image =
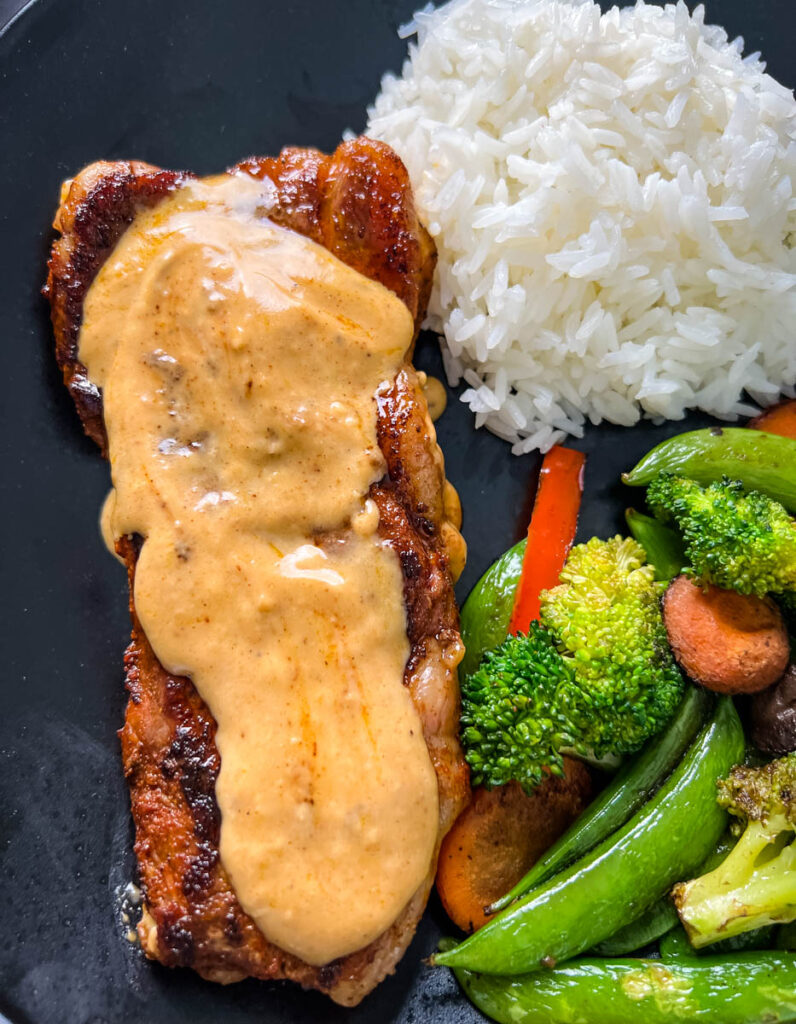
(762, 462)
(487, 611)
(719, 853)
(661, 920)
(635, 782)
(651, 925)
(666, 840)
(663, 545)
(675, 944)
(756, 988)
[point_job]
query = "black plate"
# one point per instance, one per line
(195, 84)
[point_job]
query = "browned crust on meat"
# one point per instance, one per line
(358, 204)
(95, 209)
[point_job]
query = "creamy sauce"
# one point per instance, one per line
(435, 394)
(239, 363)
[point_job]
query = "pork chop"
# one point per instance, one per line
(358, 204)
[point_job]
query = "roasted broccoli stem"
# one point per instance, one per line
(755, 885)
(739, 540)
(596, 677)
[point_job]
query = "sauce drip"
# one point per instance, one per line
(435, 394)
(239, 364)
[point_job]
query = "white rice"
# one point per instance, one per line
(612, 200)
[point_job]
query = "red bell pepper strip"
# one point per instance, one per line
(550, 533)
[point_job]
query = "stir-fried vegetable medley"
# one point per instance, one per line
(613, 674)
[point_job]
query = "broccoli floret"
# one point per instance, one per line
(738, 540)
(512, 720)
(755, 885)
(596, 677)
(605, 615)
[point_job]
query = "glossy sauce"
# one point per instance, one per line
(435, 394)
(239, 363)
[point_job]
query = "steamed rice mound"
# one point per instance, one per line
(612, 201)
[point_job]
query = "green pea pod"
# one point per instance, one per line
(756, 988)
(663, 545)
(661, 920)
(762, 462)
(666, 840)
(487, 611)
(635, 782)
(651, 925)
(675, 944)
(719, 853)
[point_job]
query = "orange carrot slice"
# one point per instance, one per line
(779, 419)
(550, 532)
(725, 641)
(499, 836)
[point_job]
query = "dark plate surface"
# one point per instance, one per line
(197, 84)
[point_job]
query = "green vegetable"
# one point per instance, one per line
(675, 943)
(599, 679)
(786, 936)
(651, 925)
(734, 539)
(605, 616)
(663, 545)
(607, 888)
(514, 721)
(636, 781)
(760, 938)
(758, 988)
(721, 849)
(487, 611)
(762, 462)
(755, 885)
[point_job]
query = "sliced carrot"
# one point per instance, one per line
(779, 419)
(499, 835)
(550, 532)
(725, 641)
